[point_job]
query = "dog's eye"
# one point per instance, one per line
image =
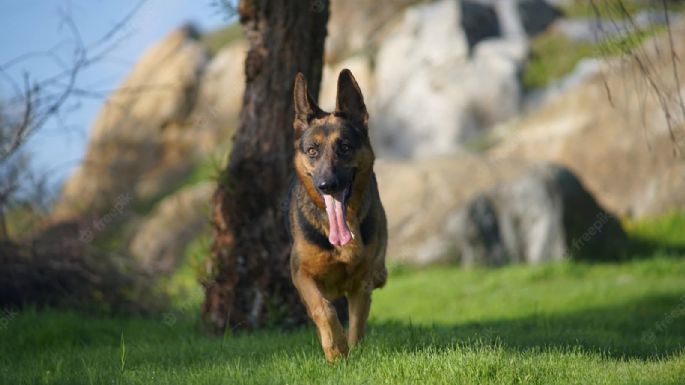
(312, 152)
(344, 148)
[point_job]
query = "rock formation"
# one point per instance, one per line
(449, 72)
(435, 76)
(175, 107)
(159, 241)
(544, 215)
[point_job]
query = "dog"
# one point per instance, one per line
(337, 222)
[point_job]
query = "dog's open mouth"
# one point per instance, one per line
(336, 205)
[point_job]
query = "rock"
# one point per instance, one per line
(544, 215)
(419, 110)
(135, 137)
(515, 17)
(160, 240)
(479, 21)
(146, 142)
(356, 27)
(373, 21)
(499, 97)
(220, 97)
(618, 142)
(443, 80)
(419, 195)
(441, 74)
(436, 84)
(537, 15)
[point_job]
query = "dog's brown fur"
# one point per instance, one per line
(321, 271)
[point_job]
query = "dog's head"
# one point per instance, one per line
(332, 149)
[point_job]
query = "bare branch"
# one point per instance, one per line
(650, 80)
(39, 108)
(674, 57)
(33, 102)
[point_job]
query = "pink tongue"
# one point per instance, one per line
(339, 234)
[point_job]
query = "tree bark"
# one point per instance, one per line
(249, 284)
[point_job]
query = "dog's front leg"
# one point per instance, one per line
(323, 314)
(359, 303)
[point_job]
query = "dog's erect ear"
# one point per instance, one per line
(305, 107)
(350, 101)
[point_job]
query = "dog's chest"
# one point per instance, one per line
(340, 269)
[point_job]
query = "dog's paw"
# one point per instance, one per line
(336, 352)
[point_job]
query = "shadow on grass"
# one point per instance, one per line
(648, 329)
(641, 248)
(630, 248)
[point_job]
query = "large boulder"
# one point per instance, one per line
(357, 27)
(479, 21)
(436, 76)
(618, 144)
(537, 15)
(544, 215)
(419, 195)
(417, 110)
(136, 141)
(622, 136)
(525, 16)
(220, 98)
(160, 240)
(482, 210)
(175, 108)
(448, 72)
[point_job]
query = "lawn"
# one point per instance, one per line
(567, 323)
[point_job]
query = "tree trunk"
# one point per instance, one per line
(249, 284)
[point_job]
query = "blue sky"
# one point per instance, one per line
(35, 25)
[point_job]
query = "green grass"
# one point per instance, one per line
(552, 57)
(667, 229)
(565, 323)
(182, 286)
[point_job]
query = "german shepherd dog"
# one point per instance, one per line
(337, 221)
